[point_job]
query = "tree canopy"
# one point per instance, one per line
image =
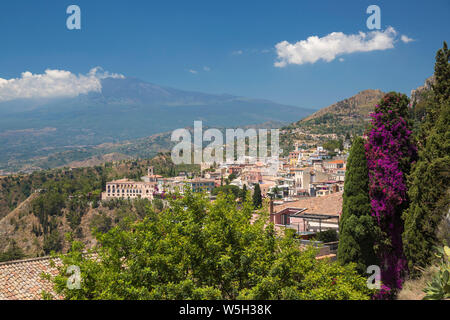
(196, 249)
(430, 179)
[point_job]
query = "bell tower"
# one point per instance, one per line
(150, 171)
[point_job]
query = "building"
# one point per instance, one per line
(293, 157)
(310, 214)
(252, 176)
(323, 188)
(334, 164)
(201, 184)
(129, 189)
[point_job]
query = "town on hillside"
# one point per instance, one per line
(305, 190)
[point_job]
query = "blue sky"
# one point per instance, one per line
(224, 46)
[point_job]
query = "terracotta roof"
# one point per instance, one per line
(21, 279)
(329, 204)
(121, 181)
(336, 161)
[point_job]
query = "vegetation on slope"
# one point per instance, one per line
(67, 200)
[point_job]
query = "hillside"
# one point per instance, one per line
(125, 109)
(38, 209)
(349, 116)
(84, 156)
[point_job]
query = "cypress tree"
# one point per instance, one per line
(257, 198)
(357, 226)
(429, 181)
(244, 193)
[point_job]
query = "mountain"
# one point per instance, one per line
(350, 115)
(124, 109)
(418, 94)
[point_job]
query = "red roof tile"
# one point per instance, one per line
(21, 279)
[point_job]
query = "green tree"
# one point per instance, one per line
(331, 145)
(52, 242)
(430, 178)
(203, 250)
(357, 227)
(327, 236)
(243, 195)
(257, 197)
(101, 223)
(228, 189)
(14, 252)
(158, 204)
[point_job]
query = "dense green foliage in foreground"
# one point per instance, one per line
(357, 227)
(196, 249)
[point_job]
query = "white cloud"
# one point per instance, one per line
(328, 47)
(406, 39)
(53, 84)
(237, 52)
(207, 69)
(341, 59)
(193, 71)
(101, 74)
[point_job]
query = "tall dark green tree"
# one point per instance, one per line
(244, 193)
(257, 197)
(430, 178)
(357, 226)
(13, 253)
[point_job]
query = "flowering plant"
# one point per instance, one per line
(389, 153)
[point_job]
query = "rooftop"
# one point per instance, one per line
(21, 279)
(330, 204)
(335, 161)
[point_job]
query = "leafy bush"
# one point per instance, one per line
(227, 189)
(327, 236)
(202, 250)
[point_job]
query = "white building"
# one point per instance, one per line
(129, 189)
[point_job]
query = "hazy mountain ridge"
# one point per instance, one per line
(125, 109)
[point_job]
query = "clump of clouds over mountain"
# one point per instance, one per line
(335, 44)
(53, 84)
